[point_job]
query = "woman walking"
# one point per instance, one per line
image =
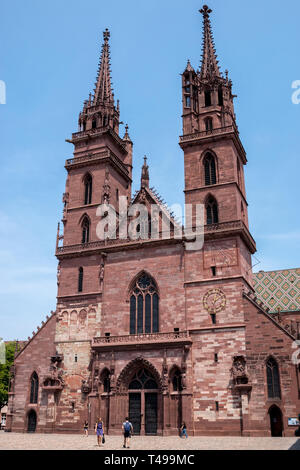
(86, 428)
(99, 431)
(183, 431)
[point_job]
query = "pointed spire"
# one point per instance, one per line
(126, 135)
(103, 90)
(189, 67)
(145, 174)
(209, 67)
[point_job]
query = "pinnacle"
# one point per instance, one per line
(145, 174)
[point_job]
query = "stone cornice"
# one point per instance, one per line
(217, 328)
(216, 280)
(214, 186)
(94, 133)
(104, 157)
(70, 251)
(80, 296)
(215, 134)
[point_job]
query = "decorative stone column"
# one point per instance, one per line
(93, 408)
(242, 386)
(186, 403)
(166, 413)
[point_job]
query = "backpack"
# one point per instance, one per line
(127, 426)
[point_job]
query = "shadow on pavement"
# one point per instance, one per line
(295, 446)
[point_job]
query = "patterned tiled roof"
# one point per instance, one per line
(279, 289)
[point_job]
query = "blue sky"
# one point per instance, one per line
(48, 59)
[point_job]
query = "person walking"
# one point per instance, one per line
(183, 431)
(99, 431)
(86, 428)
(127, 430)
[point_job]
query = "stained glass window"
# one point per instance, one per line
(273, 380)
(144, 306)
(34, 388)
(143, 379)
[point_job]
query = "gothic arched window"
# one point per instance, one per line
(212, 216)
(34, 388)
(80, 279)
(273, 380)
(143, 379)
(105, 379)
(88, 184)
(210, 169)
(85, 230)
(144, 306)
(176, 381)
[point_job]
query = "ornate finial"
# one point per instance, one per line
(106, 35)
(205, 11)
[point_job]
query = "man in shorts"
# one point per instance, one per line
(127, 430)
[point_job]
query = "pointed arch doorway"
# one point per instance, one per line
(143, 402)
(31, 426)
(276, 421)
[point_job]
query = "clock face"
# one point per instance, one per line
(214, 301)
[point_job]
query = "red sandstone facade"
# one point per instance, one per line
(147, 328)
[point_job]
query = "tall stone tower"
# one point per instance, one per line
(99, 172)
(215, 276)
(214, 160)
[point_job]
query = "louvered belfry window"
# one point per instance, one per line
(88, 184)
(210, 170)
(212, 216)
(85, 231)
(273, 380)
(144, 306)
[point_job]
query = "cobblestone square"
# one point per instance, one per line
(16, 441)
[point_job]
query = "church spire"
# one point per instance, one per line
(103, 90)
(209, 67)
(99, 111)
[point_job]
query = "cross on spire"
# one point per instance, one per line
(103, 90)
(209, 66)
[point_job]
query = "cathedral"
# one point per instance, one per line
(144, 326)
